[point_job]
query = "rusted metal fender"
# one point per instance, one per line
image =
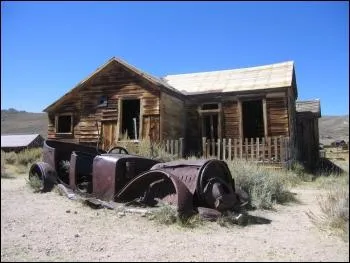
(196, 174)
(167, 188)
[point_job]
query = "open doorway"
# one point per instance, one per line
(253, 120)
(131, 118)
(210, 123)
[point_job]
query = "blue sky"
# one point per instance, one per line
(48, 47)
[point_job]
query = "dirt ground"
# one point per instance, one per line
(50, 227)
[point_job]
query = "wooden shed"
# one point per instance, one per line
(19, 142)
(247, 112)
(308, 113)
(114, 102)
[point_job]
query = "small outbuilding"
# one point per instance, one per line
(19, 142)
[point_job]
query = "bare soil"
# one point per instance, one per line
(50, 227)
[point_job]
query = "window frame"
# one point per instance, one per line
(71, 124)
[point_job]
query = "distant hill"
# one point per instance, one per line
(333, 128)
(19, 122)
(22, 122)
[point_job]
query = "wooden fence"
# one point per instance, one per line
(269, 150)
(174, 147)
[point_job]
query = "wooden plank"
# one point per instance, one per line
(241, 148)
(265, 117)
(281, 142)
(263, 149)
(257, 149)
(204, 148)
(176, 148)
(229, 149)
(269, 148)
(181, 151)
(213, 147)
(172, 146)
(252, 148)
(208, 148)
(246, 148)
(224, 149)
(218, 149)
(275, 148)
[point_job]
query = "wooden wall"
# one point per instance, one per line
(277, 116)
(231, 119)
(172, 112)
(116, 83)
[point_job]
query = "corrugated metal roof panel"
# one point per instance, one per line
(17, 140)
(253, 78)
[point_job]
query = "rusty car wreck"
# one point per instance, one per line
(193, 186)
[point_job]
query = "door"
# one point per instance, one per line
(109, 134)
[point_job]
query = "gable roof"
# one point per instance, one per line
(312, 106)
(158, 82)
(276, 75)
(253, 78)
(21, 140)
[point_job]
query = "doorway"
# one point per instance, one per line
(253, 119)
(130, 118)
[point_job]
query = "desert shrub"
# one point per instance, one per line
(3, 169)
(265, 187)
(34, 183)
(10, 157)
(168, 215)
(299, 169)
(29, 156)
(334, 205)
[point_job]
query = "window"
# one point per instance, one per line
(102, 101)
(64, 123)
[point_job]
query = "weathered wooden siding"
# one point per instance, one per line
(231, 119)
(172, 123)
(277, 116)
(114, 82)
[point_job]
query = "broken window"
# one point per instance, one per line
(253, 120)
(131, 118)
(102, 101)
(64, 123)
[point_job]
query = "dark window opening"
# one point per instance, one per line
(253, 120)
(131, 118)
(64, 124)
(210, 106)
(210, 123)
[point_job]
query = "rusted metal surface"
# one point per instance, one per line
(205, 186)
(112, 171)
(167, 187)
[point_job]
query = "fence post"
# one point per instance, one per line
(167, 146)
(229, 149)
(208, 148)
(246, 148)
(241, 148)
(176, 148)
(275, 148)
(181, 147)
(269, 148)
(252, 148)
(172, 146)
(257, 149)
(204, 149)
(263, 149)
(213, 147)
(224, 149)
(218, 152)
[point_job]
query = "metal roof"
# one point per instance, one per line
(253, 78)
(21, 140)
(312, 106)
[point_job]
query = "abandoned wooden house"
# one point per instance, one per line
(247, 113)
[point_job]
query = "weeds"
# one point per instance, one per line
(34, 182)
(264, 187)
(334, 205)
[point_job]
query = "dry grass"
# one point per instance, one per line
(334, 204)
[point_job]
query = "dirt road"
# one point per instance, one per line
(49, 227)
